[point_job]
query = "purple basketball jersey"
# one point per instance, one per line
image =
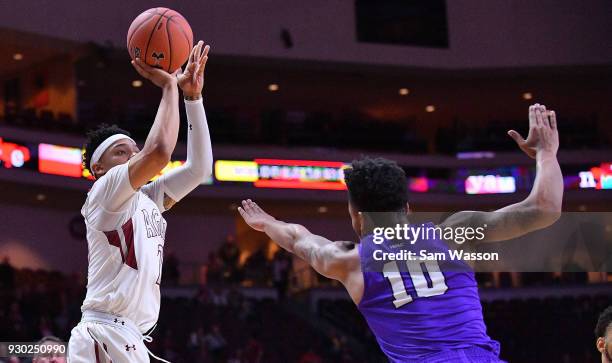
(416, 309)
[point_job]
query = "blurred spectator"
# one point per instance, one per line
(53, 344)
(218, 296)
(215, 343)
(7, 274)
(337, 345)
(229, 254)
(214, 269)
(196, 340)
(253, 351)
(281, 265)
(44, 328)
(170, 346)
(235, 357)
(310, 357)
(256, 268)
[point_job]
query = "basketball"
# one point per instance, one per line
(161, 37)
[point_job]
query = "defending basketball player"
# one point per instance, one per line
(413, 319)
(123, 215)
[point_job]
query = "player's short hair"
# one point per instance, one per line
(604, 322)
(376, 185)
(97, 136)
(50, 338)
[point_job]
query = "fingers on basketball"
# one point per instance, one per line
(139, 68)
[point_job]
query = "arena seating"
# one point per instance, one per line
(321, 130)
(219, 324)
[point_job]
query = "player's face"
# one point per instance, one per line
(120, 152)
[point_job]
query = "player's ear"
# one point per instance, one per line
(600, 344)
(97, 169)
(362, 223)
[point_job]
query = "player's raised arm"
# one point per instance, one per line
(162, 137)
(543, 205)
(198, 166)
(330, 259)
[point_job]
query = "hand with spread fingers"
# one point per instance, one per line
(543, 136)
(254, 216)
(191, 81)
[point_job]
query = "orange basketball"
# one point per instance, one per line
(161, 37)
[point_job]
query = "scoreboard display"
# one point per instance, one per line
(66, 161)
(278, 173)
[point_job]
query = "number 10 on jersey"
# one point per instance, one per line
(426, 278)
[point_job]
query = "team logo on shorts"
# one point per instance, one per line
(127, 347)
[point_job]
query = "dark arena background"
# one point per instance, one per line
(294, 91)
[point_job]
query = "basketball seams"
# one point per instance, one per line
(160, 13)
(169, 44)
(189, 41)
(136, 29)
(151, 35)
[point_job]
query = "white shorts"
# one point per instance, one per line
(105, 338)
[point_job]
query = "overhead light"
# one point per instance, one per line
(40, 197)
(17, 56)
(403, 91)
(322, 209)
(430, 108)
(136, 83)
(527, 96)
(272, 87)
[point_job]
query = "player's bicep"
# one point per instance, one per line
(503, 224)
(145, 165)
(471, 219)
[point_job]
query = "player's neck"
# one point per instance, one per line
(384, 220)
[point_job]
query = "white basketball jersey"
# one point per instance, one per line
(126, 244)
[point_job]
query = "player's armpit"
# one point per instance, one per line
(168, 202)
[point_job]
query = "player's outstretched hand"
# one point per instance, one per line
(254, 216)
(543, 135)
(191, 81)
(159, 77)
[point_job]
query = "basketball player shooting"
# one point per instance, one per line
(419, 317)
(125, 228)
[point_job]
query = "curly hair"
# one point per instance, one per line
(96, 136)
(604, 322)
(376, 185)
